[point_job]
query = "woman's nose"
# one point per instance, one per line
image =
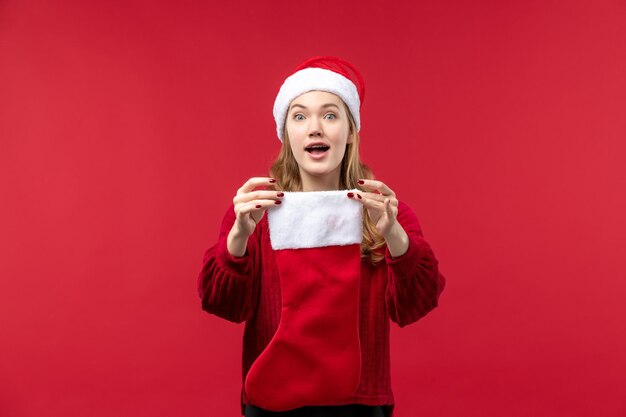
(315, 128)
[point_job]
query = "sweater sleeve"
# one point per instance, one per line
(227, 285)
(414, 282)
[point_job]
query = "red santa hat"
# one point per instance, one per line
(324, 73)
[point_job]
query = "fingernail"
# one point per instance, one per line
(277, 202)
(350, 195)
(272, 181)
(280, 194)
(361, 182)
(359, 195)
(258, 206)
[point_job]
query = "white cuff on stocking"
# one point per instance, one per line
(315, 219)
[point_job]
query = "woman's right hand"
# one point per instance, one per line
(250, 204)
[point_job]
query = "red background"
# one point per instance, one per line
(127, 127)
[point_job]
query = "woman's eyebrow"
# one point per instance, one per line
(323, 105)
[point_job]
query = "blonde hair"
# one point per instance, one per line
(287, 174)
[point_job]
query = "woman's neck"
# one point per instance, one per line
(324, 183)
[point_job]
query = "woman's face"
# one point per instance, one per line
(318, 117)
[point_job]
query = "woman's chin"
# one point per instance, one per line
(319, 171)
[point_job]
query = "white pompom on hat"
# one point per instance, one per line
(324, 73)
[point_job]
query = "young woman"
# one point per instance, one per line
(245, 278)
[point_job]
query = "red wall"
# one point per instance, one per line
(127, 127)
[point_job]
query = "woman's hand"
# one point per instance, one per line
(381, 204)
(382, 208)
(250, 204)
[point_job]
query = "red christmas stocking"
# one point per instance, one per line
(315, 357)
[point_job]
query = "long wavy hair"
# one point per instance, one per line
(287, 174)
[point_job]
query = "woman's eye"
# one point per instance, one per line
(296, 116)
(330, 114)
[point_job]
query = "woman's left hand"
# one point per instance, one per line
(381, 204)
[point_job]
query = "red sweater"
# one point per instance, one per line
(247, 288)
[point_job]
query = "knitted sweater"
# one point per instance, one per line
(247, 288)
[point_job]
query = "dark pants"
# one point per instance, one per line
(352, 410)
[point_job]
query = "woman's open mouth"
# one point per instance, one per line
(317, 151)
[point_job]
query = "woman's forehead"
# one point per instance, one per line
(316, 97)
